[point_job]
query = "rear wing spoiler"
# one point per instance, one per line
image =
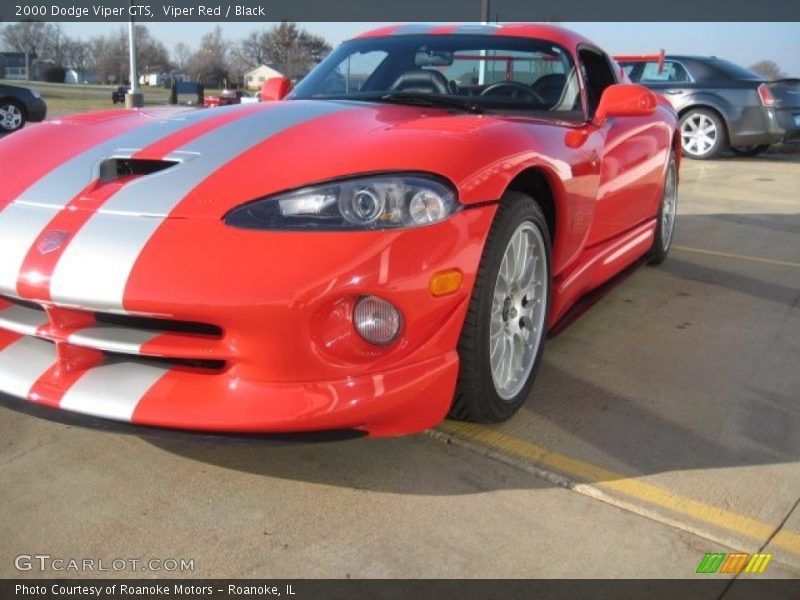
(659, 58)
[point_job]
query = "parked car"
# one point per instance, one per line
(226, 98)
(387, 245)
(18, 105)
(118, 95)
(721, 105)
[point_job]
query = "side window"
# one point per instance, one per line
(597, 76)
(671, 72)
(351, 74)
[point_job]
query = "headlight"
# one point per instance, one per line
(35, 93)
(362, 203)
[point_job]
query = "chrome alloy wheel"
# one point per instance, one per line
(10, 117)
(518, 310)
(670, 206)
(698, 134)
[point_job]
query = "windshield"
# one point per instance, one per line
(484, 72)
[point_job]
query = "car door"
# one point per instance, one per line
(631, 161)
(672, 80)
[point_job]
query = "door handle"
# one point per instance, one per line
(673, 92)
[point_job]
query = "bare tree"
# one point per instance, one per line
(252, 49)
(56, 47)
(108, 55)
(29, 37)
(291, 49)
(209, 64)
(25, 37)
(181, 54)
(151, 53)
(77, 56)
(769, 69)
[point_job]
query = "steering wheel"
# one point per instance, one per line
(517, 90)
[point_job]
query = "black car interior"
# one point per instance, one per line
(509, 73)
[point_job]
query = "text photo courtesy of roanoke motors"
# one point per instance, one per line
(476, 298)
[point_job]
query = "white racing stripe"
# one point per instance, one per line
(63, 183)
(22, 320)
(19, 228)
(22, 363)
(23, 221)
(95, 267)
(112, 338)
(112, 391)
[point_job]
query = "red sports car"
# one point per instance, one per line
(388, 245)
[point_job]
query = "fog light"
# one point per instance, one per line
(376, 320)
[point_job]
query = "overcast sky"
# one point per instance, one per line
(744, 43)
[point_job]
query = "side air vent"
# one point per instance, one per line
(112, 169)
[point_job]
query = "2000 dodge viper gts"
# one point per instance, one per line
(387, 245)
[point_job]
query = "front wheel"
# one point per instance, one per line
(12, 116)
(503, 337)
(703, 134)
(665, 227)
(753, 150)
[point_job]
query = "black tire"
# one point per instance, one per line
(661, 245)
(4, 105)
(476, 398)
(720, 139)
(749, 150)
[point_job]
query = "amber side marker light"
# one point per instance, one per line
(445, 282)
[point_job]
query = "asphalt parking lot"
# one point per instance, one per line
(665, 424)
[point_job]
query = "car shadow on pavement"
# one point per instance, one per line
(783, 154)
(682, 367)
(688, 366)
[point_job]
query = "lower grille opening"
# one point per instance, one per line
(166, 325)
(23, 303)
(191, 363)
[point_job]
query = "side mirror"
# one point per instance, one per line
(625, 100)
(276, 88)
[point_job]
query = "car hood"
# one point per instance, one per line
(172, 163)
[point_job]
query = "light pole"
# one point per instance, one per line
(134, 98)
(485, 12)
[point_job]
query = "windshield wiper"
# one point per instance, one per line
(422, 99)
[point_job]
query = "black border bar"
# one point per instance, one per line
(220, 11)
(704, 587)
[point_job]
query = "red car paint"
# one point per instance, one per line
(288, 357)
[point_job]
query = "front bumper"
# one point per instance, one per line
(286, 358)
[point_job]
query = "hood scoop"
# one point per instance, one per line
(113, 169)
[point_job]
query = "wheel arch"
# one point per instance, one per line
(534, 182)
(16, 102)
(705, 106)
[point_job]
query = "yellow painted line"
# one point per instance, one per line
(617, 482)
(767, 261)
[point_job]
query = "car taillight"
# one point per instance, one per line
(767, 99)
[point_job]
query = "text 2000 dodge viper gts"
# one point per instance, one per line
(387, 245)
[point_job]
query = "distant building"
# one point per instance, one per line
(12, 65)
(74, 77)
(153, 79)
(254, 79)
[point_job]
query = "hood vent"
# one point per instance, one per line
(112, 169)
